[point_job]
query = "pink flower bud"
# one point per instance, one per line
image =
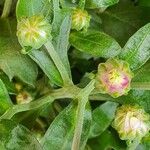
(114, 77)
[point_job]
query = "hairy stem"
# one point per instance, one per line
(49, 98)
(141, 85)
(55, 57)
(6, 9)
(82, 100)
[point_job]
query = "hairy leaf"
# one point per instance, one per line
(5, 101)
(46, 64)
(100, 3)
(145, 3)
(27, 8)
(140, 97)
(102, 118)
(16, 137)
(60, 133)
(137, 50)
(60, 30)
(107, 140)
(142, 74)
(123, 20)
(12, 62)
(95, 43)
(63, 42)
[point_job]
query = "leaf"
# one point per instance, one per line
(12, 62)
(60, 133)
(107, 140)
(46, 64)
(102, 118)
(122, 20)
(63, 42)
(60, 30)
(142, 74)
(145, 3)
(100, 3)
(95, 43)
(9, 85)
(140, 97)
(5, 101)
(137, 50)
(16, 137)
(27, 8)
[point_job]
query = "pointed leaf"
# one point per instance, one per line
(16, 137)
(137, 50)
(95, 43)
(60, 133)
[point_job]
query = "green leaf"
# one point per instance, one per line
(142, 74)
(123, 20)
(63, 42)
(60, 133)
(102, 118)
(137, 50)
(5, 101)
(107, 140)
(100, 3)
(95, 43)
(140, 97)
(27, 8)
(46, 64)
(145, 3)
(60, 30)
(12, 62)
(9, 85)
(16, 137)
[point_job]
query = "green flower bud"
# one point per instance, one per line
(114, 77)
(80, 19)
(131, 122)
(33, 31)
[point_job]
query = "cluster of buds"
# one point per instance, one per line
(131, 122)
(80, 19)
(33, 31)
(114, 77)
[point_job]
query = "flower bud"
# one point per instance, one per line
(23, 98)
(131, 122)
(33, 31)
(80, 19)
(114, 77)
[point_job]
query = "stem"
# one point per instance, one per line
(81, 4)
(82, 100)
(6, 9)
(49, 98)
(55, 57)
(140, 85)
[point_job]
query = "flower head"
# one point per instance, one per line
(33, 31)
(114, 77)
(131, 122)
(80, 19)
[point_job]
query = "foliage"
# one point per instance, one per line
(48, 76)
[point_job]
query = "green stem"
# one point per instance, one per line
(81, 4)
(25, 107)
(6, 9)
(49, 98)
(82, 100)
(140, 85)
(55, 57)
